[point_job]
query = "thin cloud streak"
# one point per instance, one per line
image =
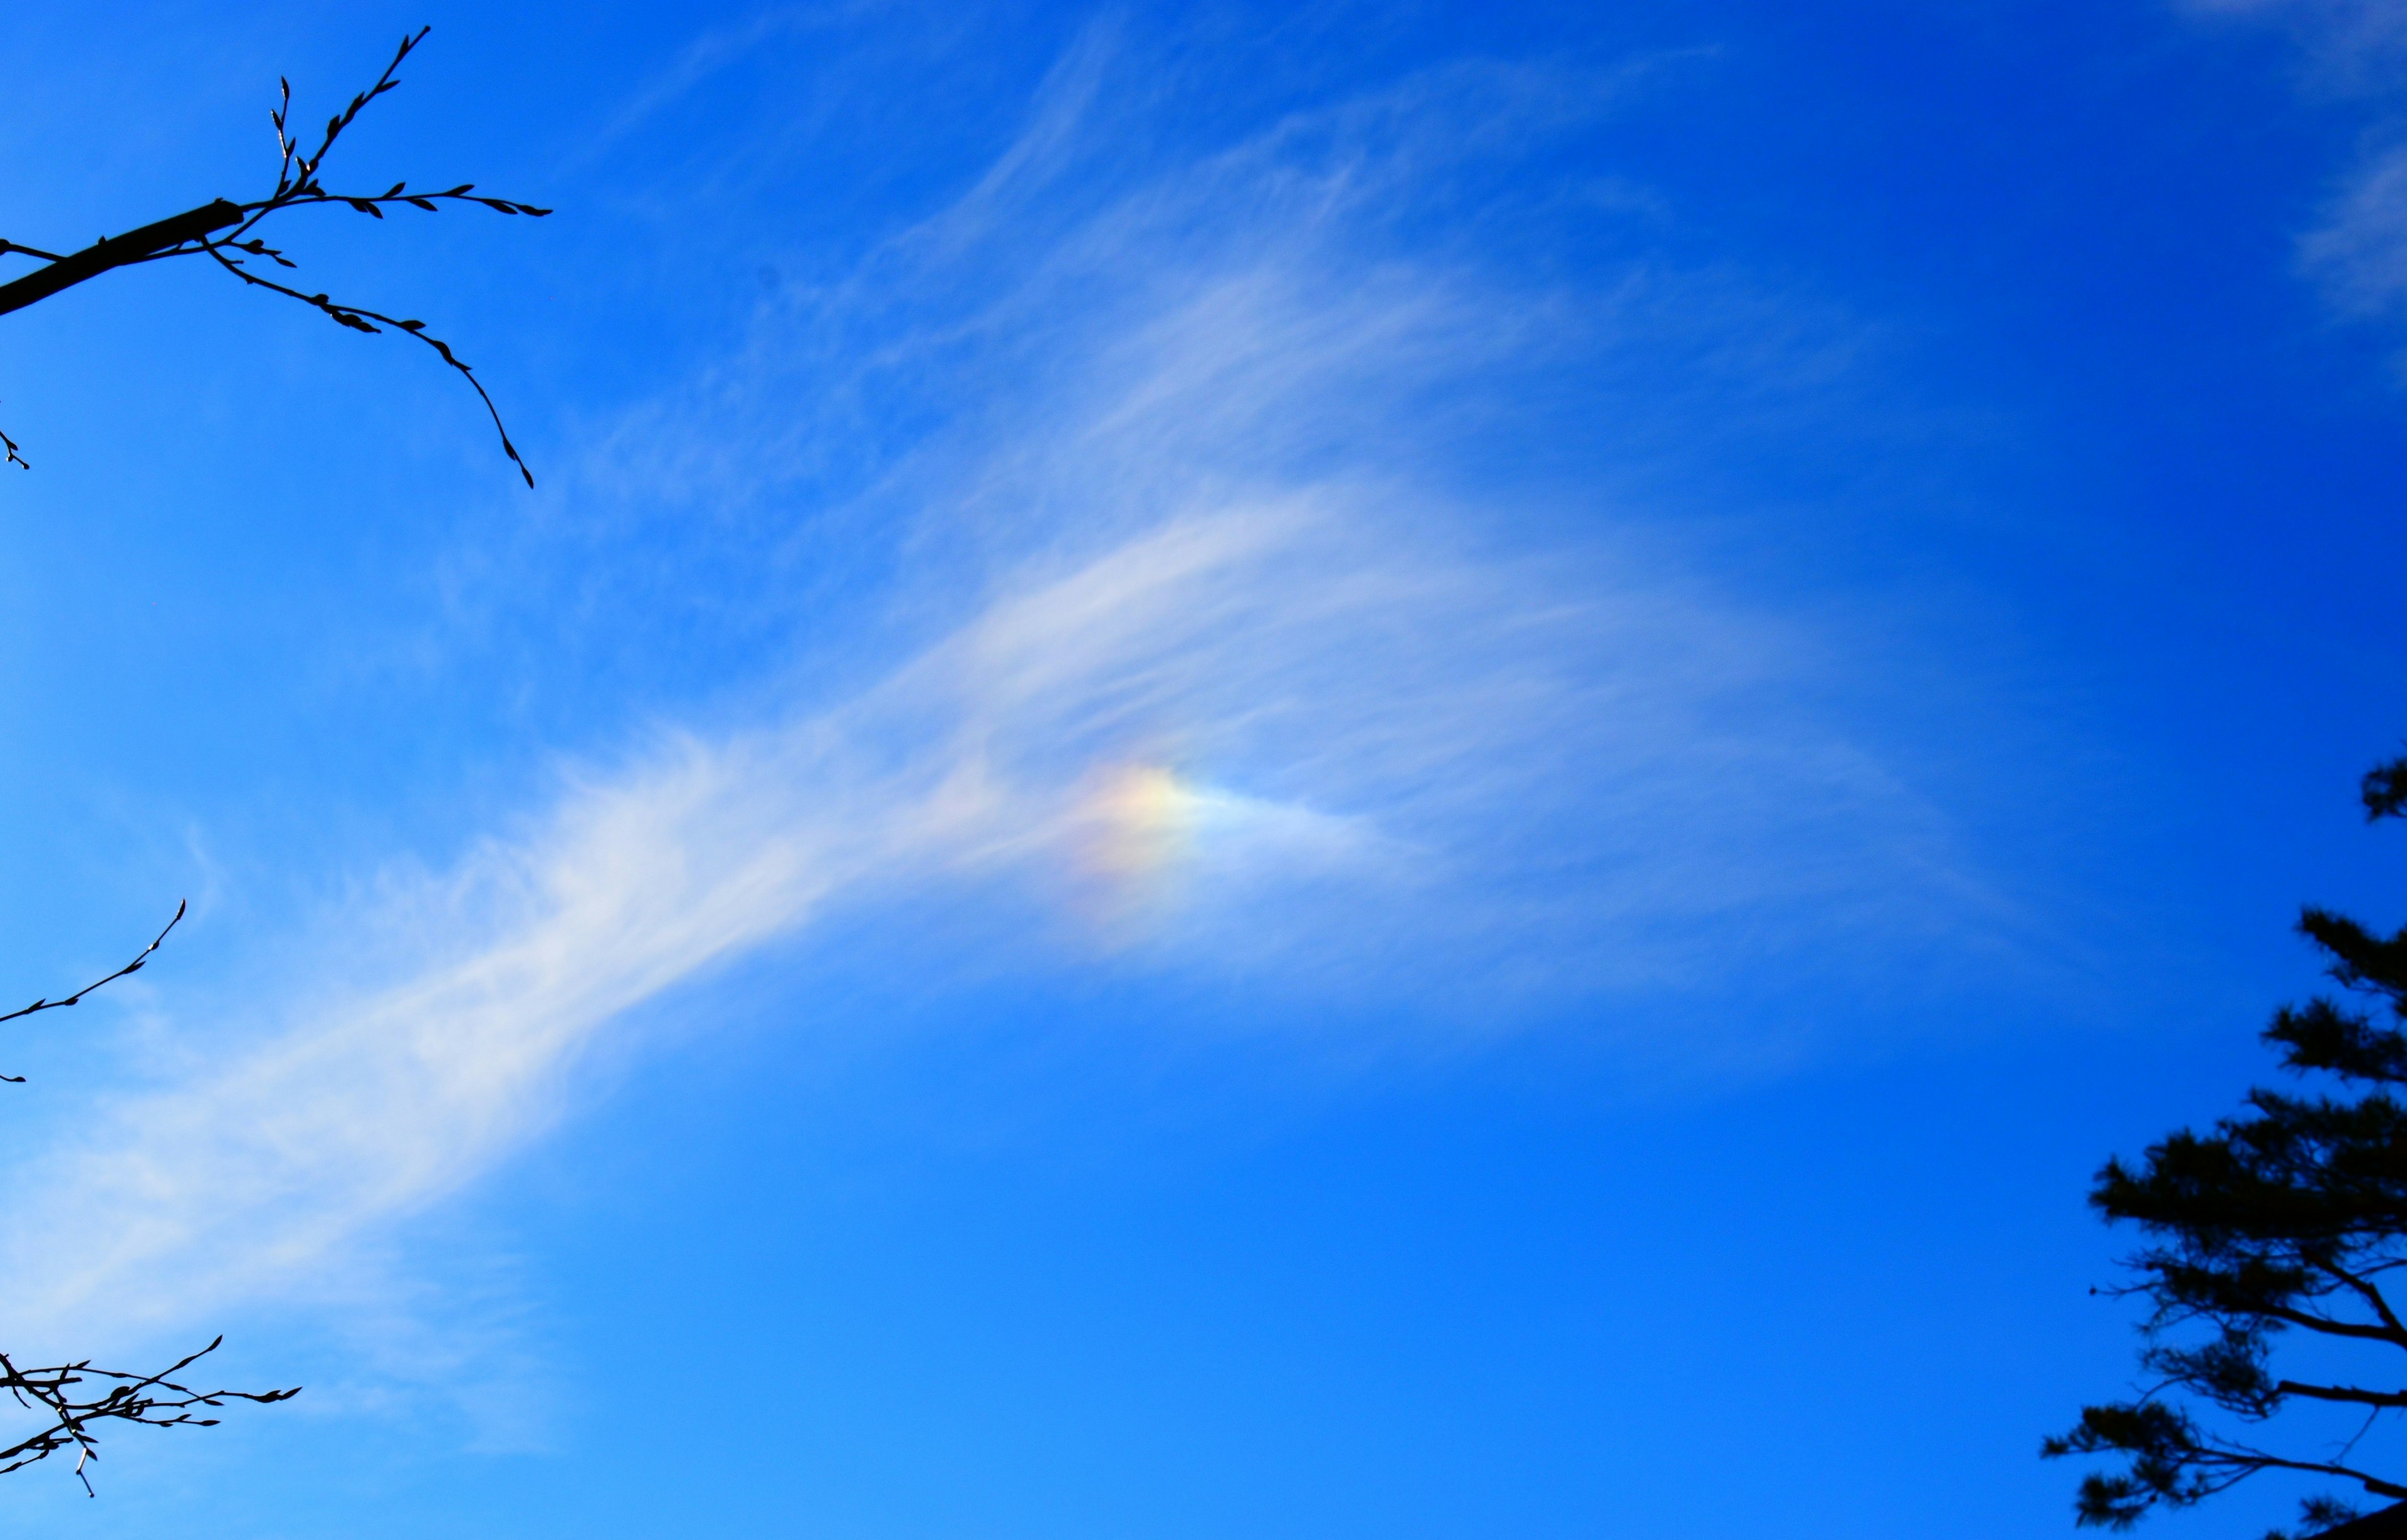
(2353, 42)
(2356, 253)
(2360, 254)
(699, 62)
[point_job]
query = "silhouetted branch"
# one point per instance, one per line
(2352, 1394)
(152, 240)
(2315, 1322)
(2174, 1462)
(2365, 1288)
(136, 966)
(74, 1398)
(76, 1395)
(227, 232)
(359, 319)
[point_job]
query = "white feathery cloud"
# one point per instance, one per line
(2359, 252)
(1228, 684)
(1306, 751)
(2356, 253)
(2348, 35)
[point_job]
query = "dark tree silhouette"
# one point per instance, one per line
(2288, 1217)
(227, 234)
(70, 1401)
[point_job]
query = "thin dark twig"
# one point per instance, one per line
(2358, 1437)
(360, 319)
(136, 966)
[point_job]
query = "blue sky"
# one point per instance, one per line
(1351, 770)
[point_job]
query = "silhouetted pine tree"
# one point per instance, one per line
(2287, 1217)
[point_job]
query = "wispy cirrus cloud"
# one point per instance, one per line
(2353, 42)
(704, 58)
(1275, 734)
(1200, 657)
(2356, 253)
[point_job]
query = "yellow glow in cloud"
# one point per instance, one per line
(1141, 820)
(1150, 842)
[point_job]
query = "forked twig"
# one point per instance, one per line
(227, 232)
(149, 1401)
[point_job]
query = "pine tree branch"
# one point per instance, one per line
(2384, 791)
(2329, 1327)
(2366, 1290)
(2256, 1460)
(2348, 1394)
(2286, 1215)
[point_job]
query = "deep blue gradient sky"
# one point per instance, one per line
(1336, 771)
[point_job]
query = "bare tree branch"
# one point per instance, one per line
(152, 240)
(76, 1398)
(76, 1395)
(136, 966)
(227, 232)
